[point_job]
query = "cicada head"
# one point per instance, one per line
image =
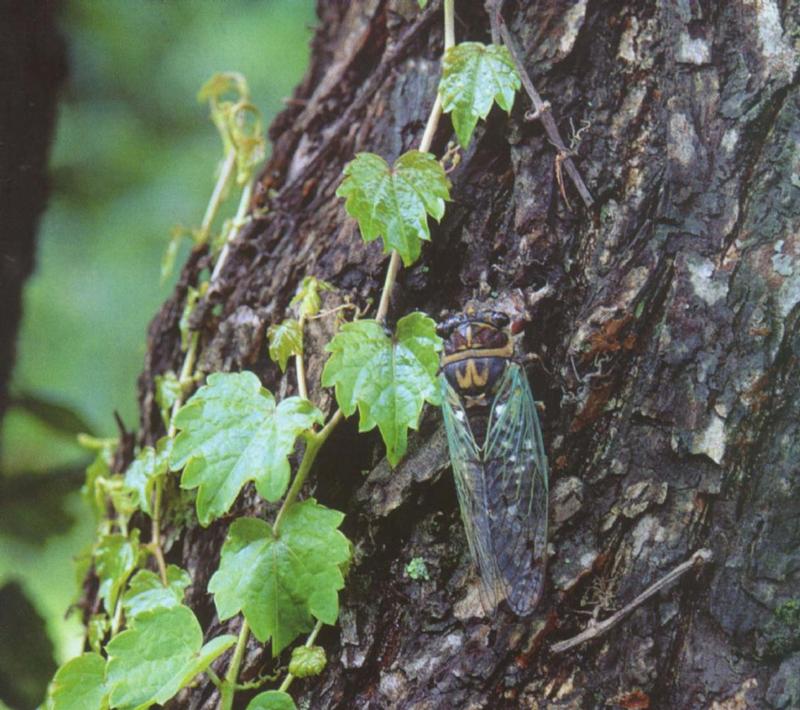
(477, 348)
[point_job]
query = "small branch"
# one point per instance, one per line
(492, 8)
(299, 365)
(229, 684)
(700, 557)
(542, 112)
(309, 642)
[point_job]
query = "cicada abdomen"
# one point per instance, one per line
(498, 458)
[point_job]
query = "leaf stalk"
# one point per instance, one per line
(228, 688)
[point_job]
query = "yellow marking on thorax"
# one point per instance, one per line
(507, 351)
(469, 337)
(473, 376)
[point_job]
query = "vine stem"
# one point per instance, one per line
(216, 196)
(313, 444)
(187, 369)
(314, 441)
(287, 681)
(228, 688)
(424, 146)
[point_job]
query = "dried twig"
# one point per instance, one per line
(700, 557)
(541, 108)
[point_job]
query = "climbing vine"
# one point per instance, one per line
(280, 578)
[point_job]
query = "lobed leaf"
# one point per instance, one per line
(146, 591)
(282, 583)
(475, 75)
(387, 379)
(285, 340)
(232, 433)
(394, 202)
(160, 653)
(79, 685)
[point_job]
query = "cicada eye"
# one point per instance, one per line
(499, 320)
(445, 328)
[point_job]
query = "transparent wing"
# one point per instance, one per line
(502, 491)
(515, 470)
(467, 462)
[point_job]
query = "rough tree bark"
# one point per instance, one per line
(668, 350)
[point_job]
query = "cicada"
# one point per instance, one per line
(498, 458)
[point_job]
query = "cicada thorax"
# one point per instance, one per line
(476, 354)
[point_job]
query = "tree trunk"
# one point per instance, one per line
(32, 67)
(665, 324)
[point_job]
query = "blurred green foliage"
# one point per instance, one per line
(134, 155)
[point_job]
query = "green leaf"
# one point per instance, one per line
(159, 654)
(192, 297)
(394, 203)
(79, 685)
(97, 471)
(233, 433)
(116, 557)
(473, 76)
(307, 296)
(272, 700)
(422, 4)
(417, 569)
(146, 591)
(281, 584)
(150, 465)
(168, 389)
(285, 340)
(307, 661)
(97, 628)
(388, 379)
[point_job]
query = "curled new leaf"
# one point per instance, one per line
(394, 202)
(307, 661)
(473, 76)
(231, 433)
(308, 295)
(387, 378)
(285, 340)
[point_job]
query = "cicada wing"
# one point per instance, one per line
(516, 489)
(467, 463)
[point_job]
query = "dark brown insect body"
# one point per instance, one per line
(498, 458)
